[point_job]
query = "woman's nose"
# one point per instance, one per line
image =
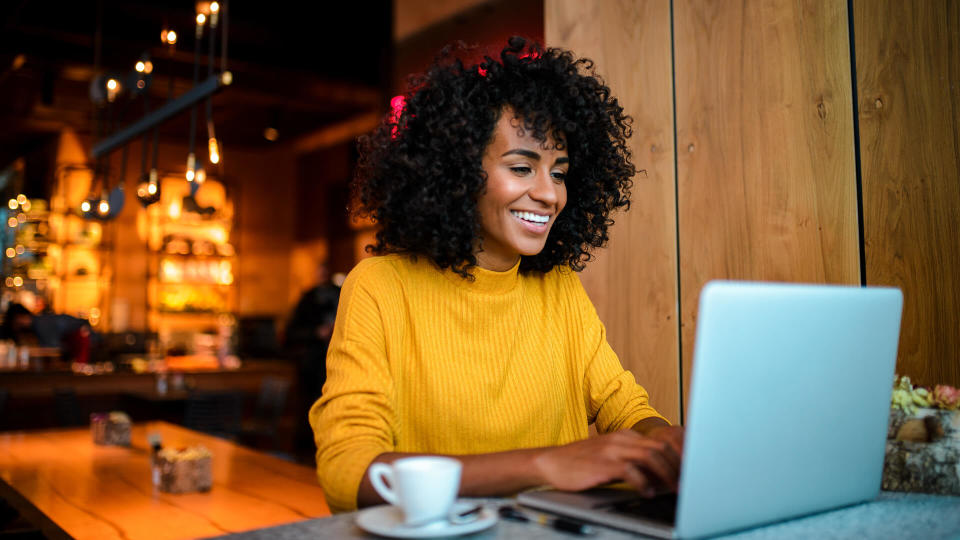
(545, 189)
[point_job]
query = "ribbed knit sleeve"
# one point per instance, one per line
(355, 418)
(612, 396)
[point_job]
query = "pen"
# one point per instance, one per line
(561, 524)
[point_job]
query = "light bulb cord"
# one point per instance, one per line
(144, 146)
(196, 78)
(211, 49)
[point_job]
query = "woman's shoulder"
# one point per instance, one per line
(561, 276)
(383, 270)
(563, 285)
(373, 268)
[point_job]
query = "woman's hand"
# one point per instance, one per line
(672, 435)
(650, 462)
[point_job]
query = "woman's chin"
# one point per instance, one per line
(530, 251)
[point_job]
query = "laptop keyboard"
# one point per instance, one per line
(662, 508)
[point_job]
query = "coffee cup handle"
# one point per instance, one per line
(379, 472)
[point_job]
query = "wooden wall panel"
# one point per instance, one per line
(633, 282)
(908, 80)
(765, 161)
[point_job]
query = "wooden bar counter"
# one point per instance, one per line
(106, 492)
(31, 384)
(30, 402)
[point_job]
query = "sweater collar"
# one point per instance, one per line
(488, 281)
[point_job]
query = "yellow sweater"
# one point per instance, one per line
(422, 360)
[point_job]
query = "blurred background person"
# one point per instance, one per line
(72, 335)
(307, 336)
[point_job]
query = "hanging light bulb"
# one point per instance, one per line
(148, 191)
(144, 66)
(201, 18)
(214, 149)
(191, 167)
(168, 37)
(12, 204)
(113, 88)
(103, 207)
(21, 199)
(214, 12)
(89, 207)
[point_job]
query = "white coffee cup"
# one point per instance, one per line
(424, 487)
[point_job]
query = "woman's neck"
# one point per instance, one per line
(495, 264)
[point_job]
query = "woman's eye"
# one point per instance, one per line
(521, 170)
(559, 176)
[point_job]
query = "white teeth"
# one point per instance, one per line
(530, 216)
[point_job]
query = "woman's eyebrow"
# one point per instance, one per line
(522, 152)
(533, 155)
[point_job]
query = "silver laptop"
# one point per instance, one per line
(787, 414)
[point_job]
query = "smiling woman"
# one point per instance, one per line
(471, 335)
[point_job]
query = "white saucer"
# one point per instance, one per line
(387, 520)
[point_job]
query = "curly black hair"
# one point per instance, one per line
(419, 174)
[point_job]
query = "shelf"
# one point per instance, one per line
(194, 220)
(193, 256)
(192, 273)
(165, 313)
(190, 283)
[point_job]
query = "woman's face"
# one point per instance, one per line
(525, 192)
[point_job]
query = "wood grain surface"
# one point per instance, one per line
(106, 492)
(633, 282)
(908, 80)
(767, 180)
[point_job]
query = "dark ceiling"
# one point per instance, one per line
(296, 67)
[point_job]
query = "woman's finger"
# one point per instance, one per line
(639, 481)
(654, 457)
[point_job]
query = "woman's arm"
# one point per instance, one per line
(646, 462)
(483, 475)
